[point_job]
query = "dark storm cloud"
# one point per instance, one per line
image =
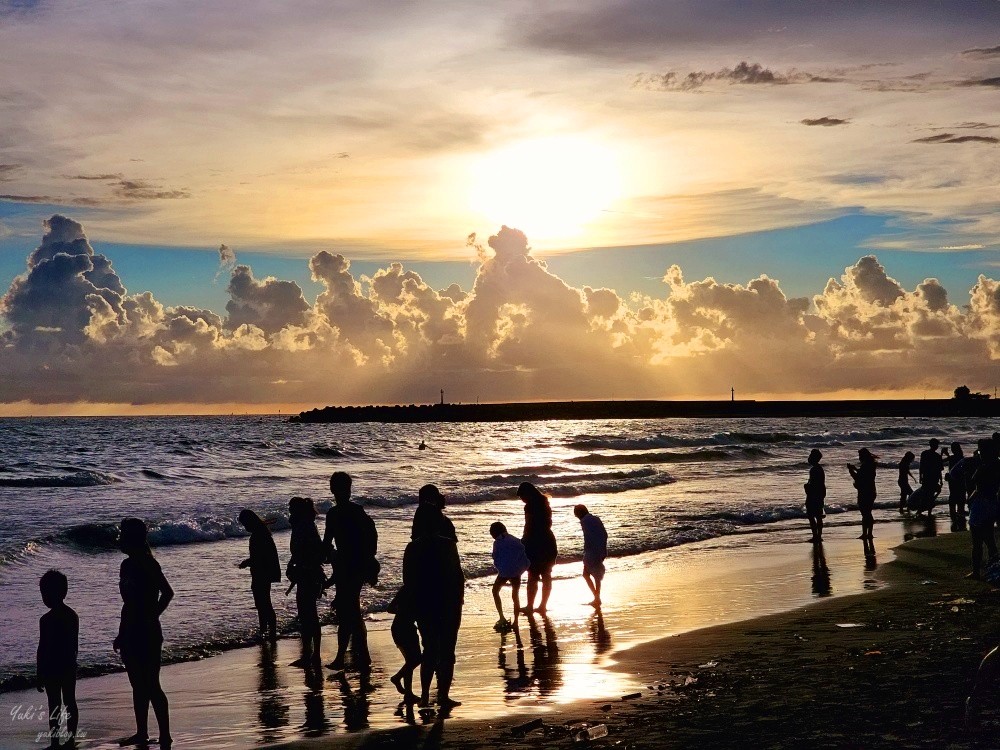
(982, 52)
(640, 29)
(826, 122)
(744, 73)
(992, 82)
(952, 138)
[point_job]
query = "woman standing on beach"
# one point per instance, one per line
(539, 543)
(815, 494)
(305, 571)
(145, 595)
(985, 484)
(905, 475)
(264, 570)
(864, 480)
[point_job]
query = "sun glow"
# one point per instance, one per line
(552, 188)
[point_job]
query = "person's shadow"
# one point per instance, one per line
(871, 562)
(820, 572)
(545, 670)
(272, 708)
(515, 678)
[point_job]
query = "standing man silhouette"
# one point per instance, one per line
(351, 540)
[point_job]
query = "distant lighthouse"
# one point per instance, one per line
(442, 397)
(732, 393)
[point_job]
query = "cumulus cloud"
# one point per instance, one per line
(73, 332)
(825, 122)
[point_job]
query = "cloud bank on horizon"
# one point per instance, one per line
(72, 332)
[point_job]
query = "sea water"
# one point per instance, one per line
(66, 483)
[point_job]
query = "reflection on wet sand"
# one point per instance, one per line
(599, 636)
(316, 723)
(545, 672)
(356, 703)
(820, 572)
(272, 706)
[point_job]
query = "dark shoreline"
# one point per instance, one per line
(549, 410)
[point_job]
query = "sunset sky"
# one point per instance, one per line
(796, 199)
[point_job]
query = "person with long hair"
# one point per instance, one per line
(905, 475)
(864, 481)
(145, 595)
(264, 570)
(433, 579)
(539, 543)
(305, 572)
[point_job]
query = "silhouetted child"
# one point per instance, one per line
(407, 640)
(264, 570)
(816, 494)
(511, 562)
(595, 550)
(59, 631)
(905, 475)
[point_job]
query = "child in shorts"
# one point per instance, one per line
(511, 562)
(59, 633)
(407, 640)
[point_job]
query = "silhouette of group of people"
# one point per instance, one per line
(972, 480)
(427, 609)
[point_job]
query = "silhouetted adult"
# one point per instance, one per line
(145, 595)
(864, 481)
(264, 570)
(985, 483)
(351, 542)
(305, 572)
(815, 494)
(539, 543)
(432, 575)
(431, 496)
(956, 480)
(931, 471)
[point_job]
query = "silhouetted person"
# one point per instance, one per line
(145, 595)
(351, 541)
(905, 475)
(985, 484)
(407, 639)
(305, 572)
(815, 494)
(58, 641)
(864, 481)
(431, 496)
(820, 572)
(595, 551)
(931, 471)
(956, 480)
(539, 543)
(432, 573)
(264, 570)
(511, 562)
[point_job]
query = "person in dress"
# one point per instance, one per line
(905, 475)
(305, 572)
(539, 543)
(145, 595)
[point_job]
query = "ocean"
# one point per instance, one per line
(66, 483)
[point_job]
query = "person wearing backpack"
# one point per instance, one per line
(351, 541)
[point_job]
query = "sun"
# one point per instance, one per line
(551, 188)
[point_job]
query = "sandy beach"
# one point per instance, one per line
(569, 665)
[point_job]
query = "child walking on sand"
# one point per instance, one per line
(595, 550)
(511, 562)
(407, 640)
(816, 494)
(59, 632)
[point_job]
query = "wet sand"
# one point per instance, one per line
(565, 666)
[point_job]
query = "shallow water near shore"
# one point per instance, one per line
(250, 697)
(657, 484)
